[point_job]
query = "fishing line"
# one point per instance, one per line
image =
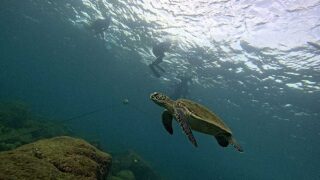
(78, 116)
(82, 115)
(61, 121)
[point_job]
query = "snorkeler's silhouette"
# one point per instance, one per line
(99, 26)
(181, 90)
(159, 50)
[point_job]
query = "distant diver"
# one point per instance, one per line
(99, 26)
(181, 90)
(158, 51)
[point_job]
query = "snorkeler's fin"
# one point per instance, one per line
(183, 122)
(155, 73)
(167, 121)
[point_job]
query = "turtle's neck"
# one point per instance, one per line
(169, 105)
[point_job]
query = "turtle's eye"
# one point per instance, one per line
(161, 97)
(158, 96)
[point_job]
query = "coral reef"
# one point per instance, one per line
(124, 163)
(57, 158)
(18, 126)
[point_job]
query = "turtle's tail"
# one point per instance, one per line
(236, 145)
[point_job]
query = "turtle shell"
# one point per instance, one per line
(203, 120)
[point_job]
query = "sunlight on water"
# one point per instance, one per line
(255, 34)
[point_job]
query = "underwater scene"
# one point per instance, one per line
(160, 89)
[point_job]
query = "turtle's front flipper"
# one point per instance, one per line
(167, 121)
(183, 122)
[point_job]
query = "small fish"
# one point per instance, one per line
(125, 101)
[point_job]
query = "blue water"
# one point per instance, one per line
(250, 62)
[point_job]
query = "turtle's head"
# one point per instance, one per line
(160, 99)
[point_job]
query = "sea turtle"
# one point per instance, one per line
(193, 116)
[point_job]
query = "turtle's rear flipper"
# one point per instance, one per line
(154, 71)
(167, 121)
(222, 140)
(183, 122)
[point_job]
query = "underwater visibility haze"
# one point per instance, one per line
(94, 63)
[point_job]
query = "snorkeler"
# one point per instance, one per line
(181, 90)
(99, 26)
(158, 51)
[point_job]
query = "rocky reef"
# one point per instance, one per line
(18, 126)
(28, 154)
(70, 158)
(56, 158)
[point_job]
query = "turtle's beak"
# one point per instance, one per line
(153, 95)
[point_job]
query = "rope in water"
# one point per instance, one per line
(79, 116)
